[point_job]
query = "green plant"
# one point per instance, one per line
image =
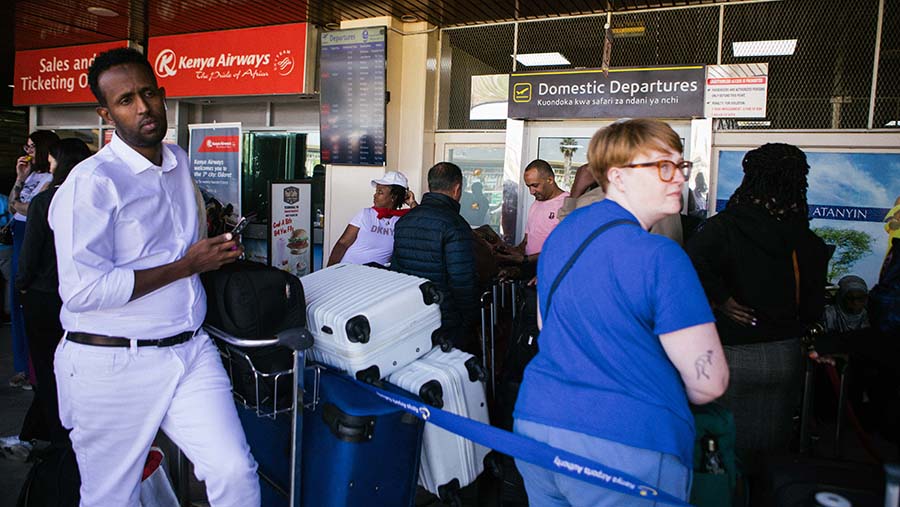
(850, 246)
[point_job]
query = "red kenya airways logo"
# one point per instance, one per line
(168, 63)
(213, 144)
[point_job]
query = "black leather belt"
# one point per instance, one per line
(117, 341)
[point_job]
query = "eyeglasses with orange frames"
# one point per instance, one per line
(666, 168)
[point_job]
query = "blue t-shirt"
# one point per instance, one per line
(601, 369)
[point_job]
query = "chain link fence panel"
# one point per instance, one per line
(887, 97)
(825, 84)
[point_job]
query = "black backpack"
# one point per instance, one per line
(884, 298)
(253, 301)
(53, 481)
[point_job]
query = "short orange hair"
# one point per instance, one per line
(618, 143)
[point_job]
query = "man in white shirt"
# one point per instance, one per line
(134, 359)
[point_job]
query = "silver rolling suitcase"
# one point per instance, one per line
(452, 381)
(368, 321)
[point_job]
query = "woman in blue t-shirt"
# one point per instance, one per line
(628, 337)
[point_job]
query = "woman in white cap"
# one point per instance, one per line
(369, 237)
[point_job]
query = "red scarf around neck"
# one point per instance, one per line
(388, 212)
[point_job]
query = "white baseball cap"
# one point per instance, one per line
(392, 178)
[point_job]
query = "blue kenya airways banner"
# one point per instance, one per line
(850, 196)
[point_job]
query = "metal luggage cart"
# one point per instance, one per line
(270, 406)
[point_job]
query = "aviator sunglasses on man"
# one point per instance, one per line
(666, 168)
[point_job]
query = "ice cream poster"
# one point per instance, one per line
(290, 240)
(854, 204)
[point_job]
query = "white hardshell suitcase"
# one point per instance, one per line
(368, 321)
(452, 381)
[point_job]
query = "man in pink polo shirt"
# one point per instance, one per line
(542, 217)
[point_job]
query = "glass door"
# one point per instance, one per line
(487, 198)
(268, 157)
(482, 168)
(563, 144)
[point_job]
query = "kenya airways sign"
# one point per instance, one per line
(251, 61)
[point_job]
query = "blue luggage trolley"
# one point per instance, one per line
(267, 378)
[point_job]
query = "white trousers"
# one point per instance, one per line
(115, 399)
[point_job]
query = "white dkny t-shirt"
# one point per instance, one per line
(375, 240)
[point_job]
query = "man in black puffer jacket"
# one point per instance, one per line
(433, 241)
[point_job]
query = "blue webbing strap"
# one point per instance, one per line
(526, 449)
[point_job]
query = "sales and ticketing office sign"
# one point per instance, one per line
(657, 92)
(56, 76)
(251, 61)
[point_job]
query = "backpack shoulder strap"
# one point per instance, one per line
(578, 251)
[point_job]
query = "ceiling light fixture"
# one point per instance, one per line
(409, 18)
(541, 59)
(764, 48)
(332, 25)
(102, 11)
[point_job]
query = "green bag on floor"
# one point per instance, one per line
(714, 490)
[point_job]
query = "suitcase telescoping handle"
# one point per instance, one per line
(297, 338)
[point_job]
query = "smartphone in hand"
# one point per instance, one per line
(240, 226)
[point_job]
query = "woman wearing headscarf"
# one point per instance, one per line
(764, 272)
(848, 313)
(38, 284)
(32, 177)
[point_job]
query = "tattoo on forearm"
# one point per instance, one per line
(703, 362)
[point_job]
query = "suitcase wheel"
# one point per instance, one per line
(432, 393)
(348, 428)
(358, 329)
(430, 293)
(441, 338)
(476, 370)
(370, 375)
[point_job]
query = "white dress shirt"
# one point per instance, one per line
(115, 214)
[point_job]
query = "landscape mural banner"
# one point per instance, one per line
(852, 196)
